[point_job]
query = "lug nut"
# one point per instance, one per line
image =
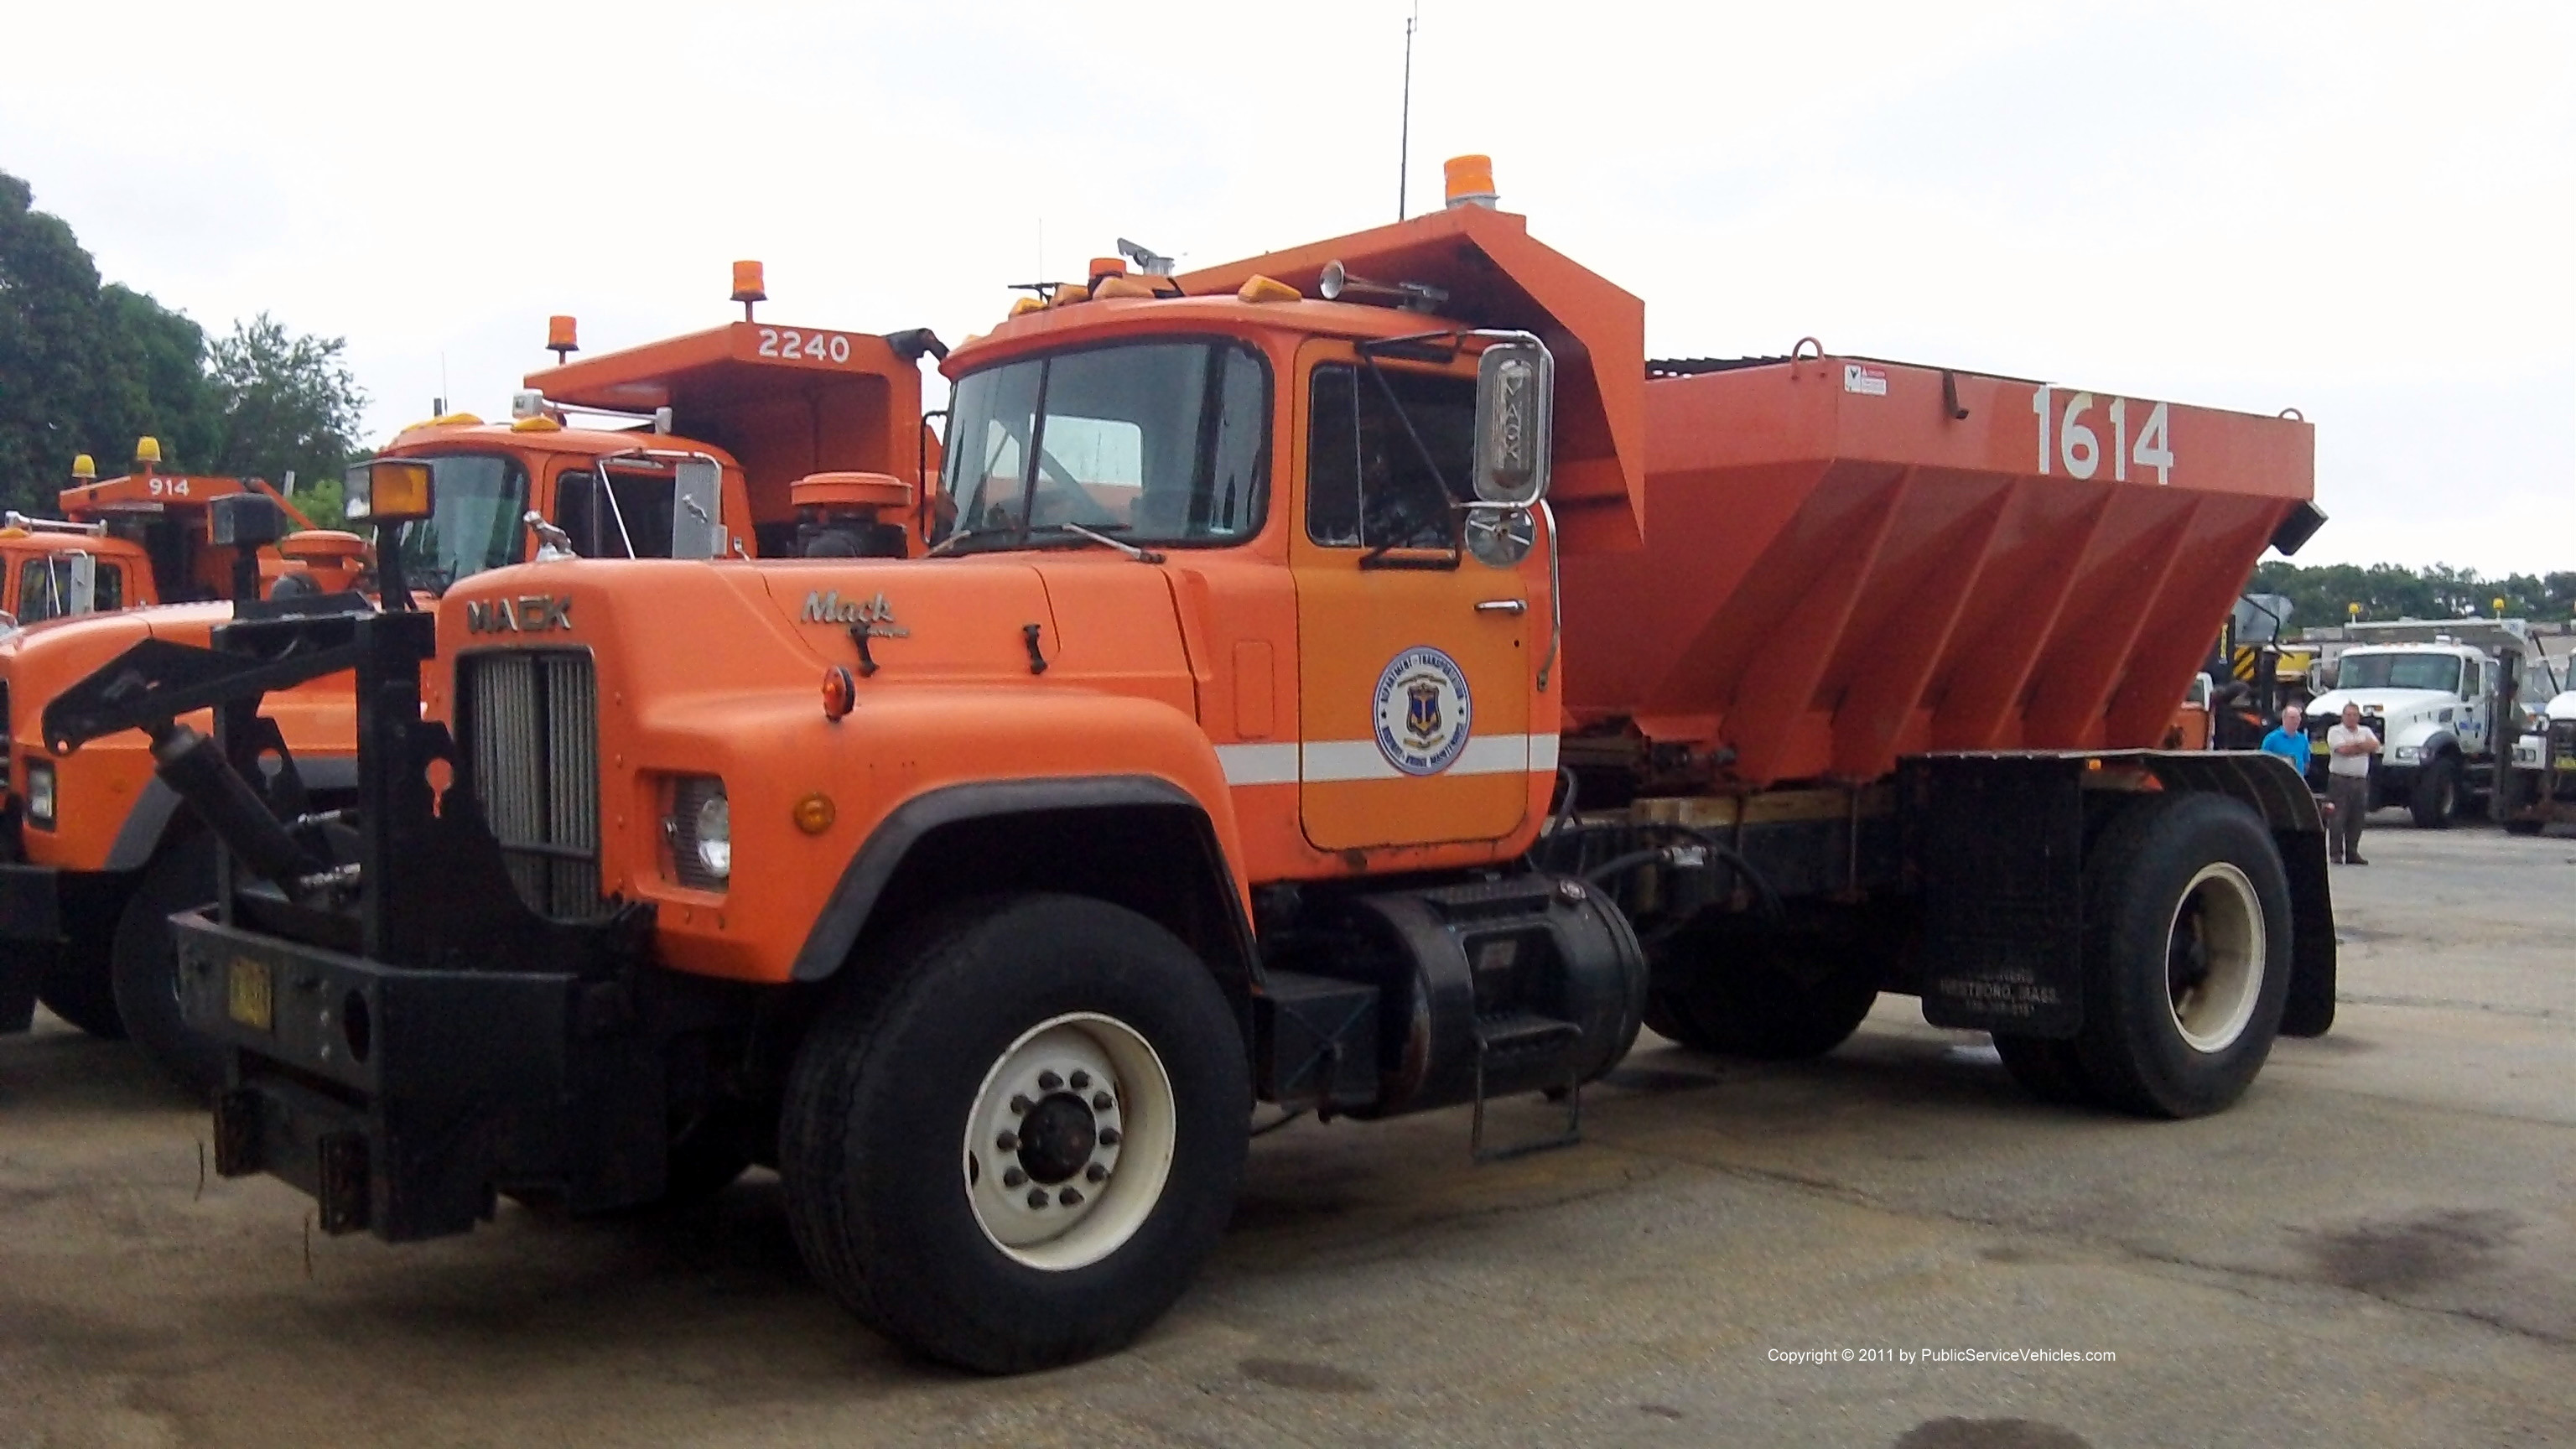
(1108, 1136)
(1049, 1081)
(1037, 1197)
(1021, 1105)
(1013, 1177)
(1070, 1197)
(1008, 1142)
(1096, 1173)
(1101, 1101)
(1080, 1081)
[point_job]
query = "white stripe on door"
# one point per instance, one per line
(1327, 762)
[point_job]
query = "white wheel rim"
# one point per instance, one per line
(2214, 952)
(1069, 1142)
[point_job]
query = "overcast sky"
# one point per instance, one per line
(2367, 212)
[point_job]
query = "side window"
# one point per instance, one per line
(36, 593)
(1381, 471)
(45, 588)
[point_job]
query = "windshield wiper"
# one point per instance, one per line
(1140, 555)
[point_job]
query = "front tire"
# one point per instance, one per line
(79, 986)
(2186, 955)
(2437, 794)
(145, 964)
(936, 1096)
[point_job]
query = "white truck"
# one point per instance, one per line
(2540, 780)
(2447, 697)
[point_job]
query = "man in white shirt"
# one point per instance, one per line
(2349, 745)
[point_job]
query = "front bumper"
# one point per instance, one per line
(403, 1101)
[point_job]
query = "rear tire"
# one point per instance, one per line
(1772, 1001)
(2437, 794)
(2186, 955)
(904, 1202)
(145, 966)
(2049, 1070)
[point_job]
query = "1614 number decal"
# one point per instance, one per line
(2068, 442)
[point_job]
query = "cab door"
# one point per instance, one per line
(1414, 675)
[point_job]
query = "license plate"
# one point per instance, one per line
(251, 997)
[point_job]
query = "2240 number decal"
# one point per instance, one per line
(808, 346)
(2068, 442)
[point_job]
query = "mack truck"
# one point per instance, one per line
(712, 443)
(1354, 679)
(2447, 698)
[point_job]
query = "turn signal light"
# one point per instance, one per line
(840, 692)
(814, 813)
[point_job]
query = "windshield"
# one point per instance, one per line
(1159, 442)
(476, 503)
(2400, 671)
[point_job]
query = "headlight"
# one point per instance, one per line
(715, 835)
(700, 828)
(2405, 754)
(40, 794)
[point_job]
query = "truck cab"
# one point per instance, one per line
(2446, 698)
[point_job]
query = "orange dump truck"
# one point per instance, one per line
(686, 448)
(1353, 679)
(141, 539)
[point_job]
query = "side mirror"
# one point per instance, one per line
(82, 585)
(697, 503)
(1515, 406)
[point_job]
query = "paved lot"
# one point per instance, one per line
(2378, 1246)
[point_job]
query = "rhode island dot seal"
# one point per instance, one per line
(1423, 711)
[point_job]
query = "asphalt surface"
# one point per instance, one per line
(2378, 1246)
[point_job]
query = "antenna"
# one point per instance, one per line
(1404, 129)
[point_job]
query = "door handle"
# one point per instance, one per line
(1501, 606)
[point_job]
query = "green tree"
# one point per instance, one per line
(2323, 594)
(84, 368)
(284, 401)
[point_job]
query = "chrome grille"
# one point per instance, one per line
(532, 742)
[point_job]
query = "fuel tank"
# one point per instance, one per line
(1850, 560)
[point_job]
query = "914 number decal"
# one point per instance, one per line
(787, 342)
(2068, 442)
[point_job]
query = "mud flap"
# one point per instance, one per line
(1997, 842)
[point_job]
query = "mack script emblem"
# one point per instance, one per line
(526, 614)
(876, 615)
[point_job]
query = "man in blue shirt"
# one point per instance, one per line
(2289, 741)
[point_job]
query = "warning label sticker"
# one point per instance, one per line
(1865, 380)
